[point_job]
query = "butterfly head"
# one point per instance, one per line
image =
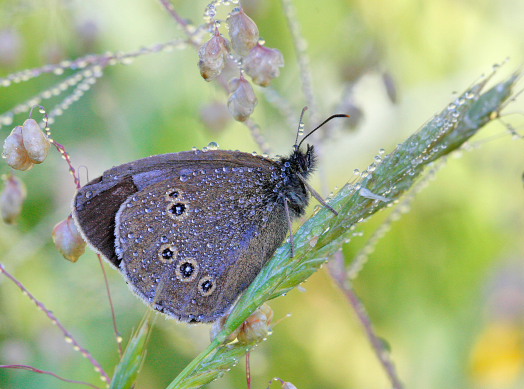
(302, 162)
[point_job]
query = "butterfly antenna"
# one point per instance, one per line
(300, 129)
(338, 115)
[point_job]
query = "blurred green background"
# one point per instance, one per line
(444, 287)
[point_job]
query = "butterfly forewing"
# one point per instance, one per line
(96, 203)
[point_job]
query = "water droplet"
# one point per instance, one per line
(212, 146)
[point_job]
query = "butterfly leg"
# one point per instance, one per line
(316, 195)
(290, 226)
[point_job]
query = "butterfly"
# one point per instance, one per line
(191, 230)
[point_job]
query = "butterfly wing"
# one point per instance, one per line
(203, 233)
(96, 203)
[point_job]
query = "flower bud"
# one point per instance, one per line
(257, 326)
(12, 199)
(242, 100)
(243, 32)
(213, 55)
(25, 146)
(68, 240)
(35, 141)
(263, 64)
(14, 151)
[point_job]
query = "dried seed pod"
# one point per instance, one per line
(213, 56)
(218, 326)
(35, 142)
(242, 100)
(243, 32)
(25, 146)
(14, 151)
(12, 199)
(68, 240)
(263, 64)
(257, 326)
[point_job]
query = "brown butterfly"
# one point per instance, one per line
(200, 223)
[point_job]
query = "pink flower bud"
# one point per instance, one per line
(288, 385)
(243, 32)
(68, 240)
(213, 55)
(263, 64)
(12, 199)
(35, 141)
(14, 151)
(242, 100)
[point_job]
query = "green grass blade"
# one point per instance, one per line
(324, 234)
(127, 370)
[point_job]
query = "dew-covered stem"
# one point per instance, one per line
(69, 338)
(39, 371)
(186, 27)
(302, 57)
